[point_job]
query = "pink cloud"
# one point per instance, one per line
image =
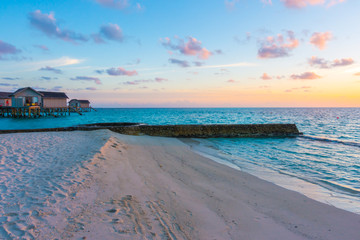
(265, 76)
(267, 2)
(51, 69)
(230, 4)
(305, 3)
(158, 79)
(83, 78)
(301, 3)
(120, 72)
(357, 74)
(111, 32)
(117, 4)
(181, 63)
(131, 83)
(342, 62)
(42, 47)
(322, 63)
(56, 88)
(318, 62)
(222, 71)
(204, 54)
(303, 88)
(279, 46)
(46, 23)
(139, 7)
(243, 40)
(7, 48)
(218, 51)
(305, 76)
(137, 82)
(198, 64)
(334, 2)
(91, 89)
(194, 73)
(192, 47)
(97, 38)
(319, 39)
(231, 81)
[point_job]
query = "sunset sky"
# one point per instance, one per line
(185, 53)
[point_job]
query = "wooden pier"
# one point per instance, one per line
(37, 111)
(81, 109)
(30, 103)
(34, 112)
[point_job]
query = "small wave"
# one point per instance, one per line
(330, 140)
(336, 186)
(329, 185)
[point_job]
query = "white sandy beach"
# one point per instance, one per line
(103, 185)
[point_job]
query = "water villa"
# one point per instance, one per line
(27, 102)
(84, 105)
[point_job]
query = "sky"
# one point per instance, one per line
(184, 53)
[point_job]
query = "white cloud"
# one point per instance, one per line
(58, 62)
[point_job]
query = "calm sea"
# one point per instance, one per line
(323, 164)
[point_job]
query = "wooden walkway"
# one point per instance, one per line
(36, 111)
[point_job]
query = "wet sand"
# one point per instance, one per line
(140, 187)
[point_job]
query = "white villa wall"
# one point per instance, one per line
(3, 102)
(54, 102)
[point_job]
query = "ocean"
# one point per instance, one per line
(323, 164)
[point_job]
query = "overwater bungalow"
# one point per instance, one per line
(28, 102)
(79, 103)
(29, 97)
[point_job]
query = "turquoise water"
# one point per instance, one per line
(328, 155)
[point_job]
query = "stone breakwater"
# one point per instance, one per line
(183, 131)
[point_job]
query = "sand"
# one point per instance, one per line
(103, 185)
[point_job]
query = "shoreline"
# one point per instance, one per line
(312, 190)
(139, 187)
